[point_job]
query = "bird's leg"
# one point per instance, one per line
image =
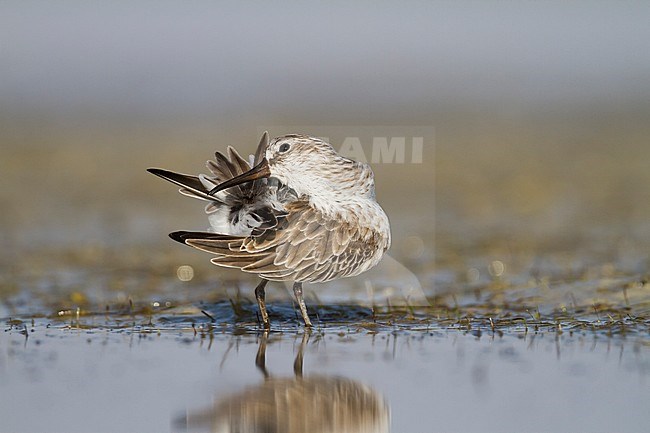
(259, 295)
(297, 290)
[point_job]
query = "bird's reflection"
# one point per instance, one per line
(314, 404)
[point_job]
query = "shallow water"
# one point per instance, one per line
(60, 378)
(513, 304)
(505, 311)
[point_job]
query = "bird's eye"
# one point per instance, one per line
(284, 147)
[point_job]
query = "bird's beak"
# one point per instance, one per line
(259, 171)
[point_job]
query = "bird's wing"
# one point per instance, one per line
(261, 148)
(190, 185)
(303, 246)
(224, 167)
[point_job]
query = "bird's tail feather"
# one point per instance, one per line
(235, 210)
(224, 167)
(190, 185)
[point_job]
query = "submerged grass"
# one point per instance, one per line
(135, 292)
(239, 316)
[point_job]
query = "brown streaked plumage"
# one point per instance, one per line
(302, 213)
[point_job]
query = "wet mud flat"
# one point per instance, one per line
(102, 340)
(519, 301)
(211, 367)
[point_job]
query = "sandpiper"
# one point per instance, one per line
(297, 212)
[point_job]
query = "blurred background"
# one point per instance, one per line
(541, 113)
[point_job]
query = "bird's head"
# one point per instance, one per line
(309, 166)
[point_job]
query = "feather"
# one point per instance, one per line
(264, 227)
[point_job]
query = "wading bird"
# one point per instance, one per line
(302, 213)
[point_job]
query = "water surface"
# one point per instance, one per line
(76, 380)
